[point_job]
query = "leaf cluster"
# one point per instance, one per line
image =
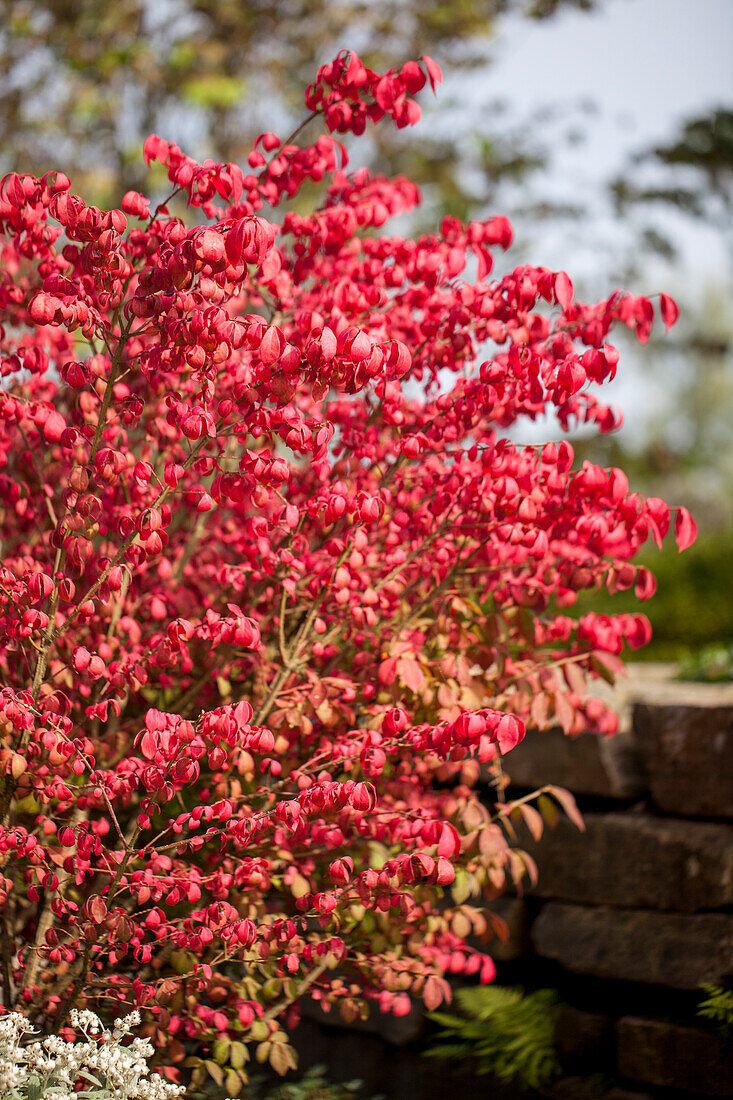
(36, 1088)
(688, 589)
(313, 1084)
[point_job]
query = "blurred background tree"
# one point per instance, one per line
(85, 82)
(692, 173)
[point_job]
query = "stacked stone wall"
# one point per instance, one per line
(627, 921)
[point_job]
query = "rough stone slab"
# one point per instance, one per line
(583, 1088)
(569, 1088)
(604, 767)
(627, 1094)
(668, 1056)
(676, 950)
(663, 691)
(616, 767)
(584, 1040)
(687, 752)
(398, 1073)
(397, 1031)
(637, 860)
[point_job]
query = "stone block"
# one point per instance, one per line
(385, 1070)
(583, 1040)
(626, 1094)
(686, 746)
(574, 1088)
(396, 1031)
(637, 860)
(668, 1056)
(680, 951)
(604, 767)
(513, 911)
(589, 1087)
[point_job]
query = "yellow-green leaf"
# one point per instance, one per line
(220, 1051)
(282, 1058)
(215, 1072)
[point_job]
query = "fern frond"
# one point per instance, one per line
(505, 1031)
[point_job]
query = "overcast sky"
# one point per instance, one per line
(644, 66)
(653, 61)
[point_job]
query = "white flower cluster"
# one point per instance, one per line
(98, 1067)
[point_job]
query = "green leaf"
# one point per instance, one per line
(548, 809)
(182, 55)
(462, 888)
(259, 1031)
(215, 90)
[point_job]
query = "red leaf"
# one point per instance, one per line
(149, 745)
(509, 732)
(384, 93)
(329, 345)
(433, 993)
(411, 674)
(644, 314)
(435, 74)
(533, 821)
(53, 427)
(639, 631)
(271, 346)
(485, 261)
(564, 712)
(563, 289)
(449, 844)
(669, 310)
(361, 347)
(575, 678)
(97, 909)
(539, 709)
(388, 671)
(685, 529)
(568, 804)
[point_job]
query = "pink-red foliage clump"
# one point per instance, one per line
(276, 588)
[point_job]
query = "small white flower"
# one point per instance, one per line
(53, 1064)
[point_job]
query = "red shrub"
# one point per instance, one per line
(275, 587)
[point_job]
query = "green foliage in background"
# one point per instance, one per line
(503, 1031)
(717, 1007)
(692, 608)
(712, 665)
